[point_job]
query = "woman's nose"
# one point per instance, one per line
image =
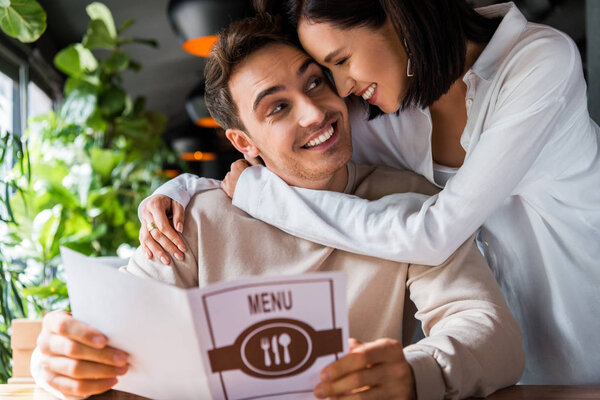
(344, 84)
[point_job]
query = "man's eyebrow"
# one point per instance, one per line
(307, 63)
(264, 93)
(332, 54)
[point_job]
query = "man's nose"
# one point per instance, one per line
(310, 112)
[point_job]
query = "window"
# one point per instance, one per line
(38, 102)
(6, 103)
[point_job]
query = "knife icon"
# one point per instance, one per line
(275, 349)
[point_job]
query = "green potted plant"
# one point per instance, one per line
(90, 164)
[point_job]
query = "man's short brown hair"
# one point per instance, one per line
(235, 44)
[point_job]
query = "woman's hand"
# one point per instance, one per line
(229, 183)
(75, 358)
(373, 370)
(157, 236)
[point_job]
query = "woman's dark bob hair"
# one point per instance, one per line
(436, 33)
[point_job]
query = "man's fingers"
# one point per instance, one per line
(374, 393)
(62, 323)
(56, 345)
(354, 381)
(77, 387)
(363, 356)
(178, 217)
(164, 226)
(80, 369)
(353, 344)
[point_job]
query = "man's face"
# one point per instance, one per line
(295, 122)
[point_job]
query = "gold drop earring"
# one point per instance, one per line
(409, 69)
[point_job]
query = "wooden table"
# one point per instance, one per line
(15, 392)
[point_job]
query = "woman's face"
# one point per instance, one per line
(365, 62)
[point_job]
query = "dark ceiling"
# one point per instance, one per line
(168, 73)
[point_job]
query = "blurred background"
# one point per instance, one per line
(171, 77)
(102, 102)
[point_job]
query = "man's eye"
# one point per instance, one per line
(342, 61)
(316, 82)
(278, 108)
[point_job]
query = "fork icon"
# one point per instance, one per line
(264, 345)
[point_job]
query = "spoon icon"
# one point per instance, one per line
(284, 341)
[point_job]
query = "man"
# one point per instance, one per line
(276, 104)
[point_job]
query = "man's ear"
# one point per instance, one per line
(242, 142)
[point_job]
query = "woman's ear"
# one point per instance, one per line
(242, 142)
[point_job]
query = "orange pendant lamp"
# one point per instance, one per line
(196, 108)
(197, 22)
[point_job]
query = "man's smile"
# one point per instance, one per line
(323, 137)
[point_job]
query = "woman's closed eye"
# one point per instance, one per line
(341, 61)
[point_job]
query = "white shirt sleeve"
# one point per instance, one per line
(412, 228)
(182, 189)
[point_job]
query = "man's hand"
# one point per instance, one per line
(75, 358)
(231, 179)
(157, 234)
(374, 370)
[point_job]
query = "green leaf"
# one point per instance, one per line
(24, 20)
(104, 161)
(117, 61)
(158, 122)
(55, 288)
(98, 36)
(98, 11)
(75, 60)
(126, 25)
(112, 101)
(135, 66)
(79, 105)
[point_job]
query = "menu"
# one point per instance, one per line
(265, 337)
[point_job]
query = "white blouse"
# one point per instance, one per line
(530, 181)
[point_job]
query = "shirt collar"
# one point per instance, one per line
(506, 36)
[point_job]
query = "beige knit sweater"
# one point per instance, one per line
(472, 345)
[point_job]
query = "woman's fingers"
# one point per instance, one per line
(168, 245)
(252, 160)
(229, 183)
(163, 226)
(151, 246)
(178, 217)
(155, 218)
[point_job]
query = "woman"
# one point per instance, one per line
(487, 106)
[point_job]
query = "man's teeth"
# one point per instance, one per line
(322, 138)
(369, 92)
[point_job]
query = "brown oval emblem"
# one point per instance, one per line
(276, 348)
